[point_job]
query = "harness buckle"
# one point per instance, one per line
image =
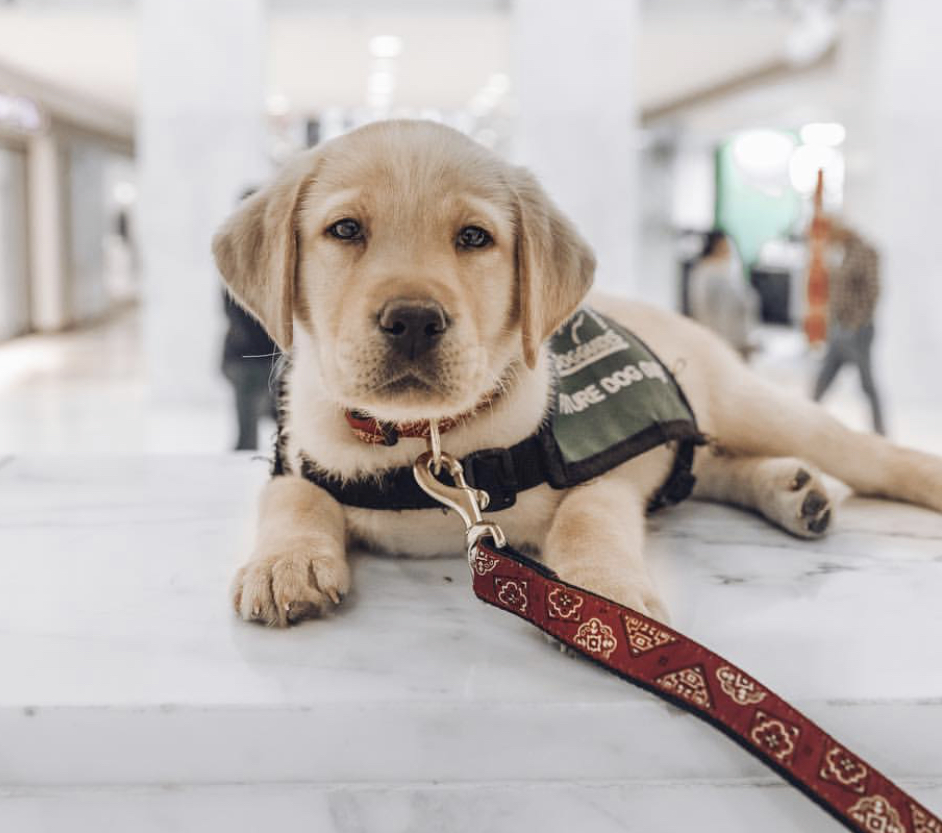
(492, 470)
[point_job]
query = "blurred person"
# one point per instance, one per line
(853, 291)
(248, 356)
(720, 296)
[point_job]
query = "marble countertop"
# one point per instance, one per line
(121, 662)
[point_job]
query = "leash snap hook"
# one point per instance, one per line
(465, 500)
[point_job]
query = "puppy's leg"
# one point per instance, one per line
(785, 490)
(299, 567)
(595, 541)
(752, 417)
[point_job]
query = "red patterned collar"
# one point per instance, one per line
(373, 431)
(376, 432)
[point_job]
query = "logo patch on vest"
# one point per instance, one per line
(611, 390)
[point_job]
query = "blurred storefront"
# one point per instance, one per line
(67, 206)
(15, 315)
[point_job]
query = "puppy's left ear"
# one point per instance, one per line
(555, 266)
(256, 249)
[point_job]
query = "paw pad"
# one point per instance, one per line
(820, 524)
(815, 512)
(813, 503)
(800, 480)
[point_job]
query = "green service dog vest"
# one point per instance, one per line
(613, 399)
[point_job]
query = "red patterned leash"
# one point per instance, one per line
(672, 666)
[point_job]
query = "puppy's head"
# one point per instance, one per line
(407, 266)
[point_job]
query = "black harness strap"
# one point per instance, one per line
(501, 472)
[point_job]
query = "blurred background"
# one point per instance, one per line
(684, 137)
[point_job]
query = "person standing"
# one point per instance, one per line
(720, 296)
(248, 359)
(853, 292)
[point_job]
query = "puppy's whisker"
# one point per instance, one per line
(279, 362)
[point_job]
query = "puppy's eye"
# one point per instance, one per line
(473, 237)
(346, 229)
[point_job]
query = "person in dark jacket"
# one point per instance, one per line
(853, 291)
(248, 361)
(248, 357)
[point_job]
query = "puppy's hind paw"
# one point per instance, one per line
(804, 508)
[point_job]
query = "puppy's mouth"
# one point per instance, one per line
(409, 383)
(444, 382)
(413, 394)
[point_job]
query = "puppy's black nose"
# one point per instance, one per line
(412, 327)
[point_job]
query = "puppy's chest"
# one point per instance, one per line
(431, 532)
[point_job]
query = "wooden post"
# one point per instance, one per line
(816, 316)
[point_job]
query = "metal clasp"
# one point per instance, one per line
(461, 497)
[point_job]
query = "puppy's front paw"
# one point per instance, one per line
(643, 598)
(286, 587)
(637, 591)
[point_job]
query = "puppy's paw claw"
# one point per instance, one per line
(640, 596)
(282, 589)
(562, 646)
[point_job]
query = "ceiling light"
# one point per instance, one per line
(830, 134)
(385, 46)
(278, 104)
(20, 113)
(813, 33)
(763, 156)
(805, 163)
(124, 193)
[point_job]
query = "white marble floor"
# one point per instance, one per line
(132, 698)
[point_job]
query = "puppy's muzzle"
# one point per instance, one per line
(412, 327)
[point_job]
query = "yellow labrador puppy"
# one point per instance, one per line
(411, 274)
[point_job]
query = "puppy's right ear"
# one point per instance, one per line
(256, 249)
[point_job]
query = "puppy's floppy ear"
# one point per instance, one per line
(256, 249)
(555, 266)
